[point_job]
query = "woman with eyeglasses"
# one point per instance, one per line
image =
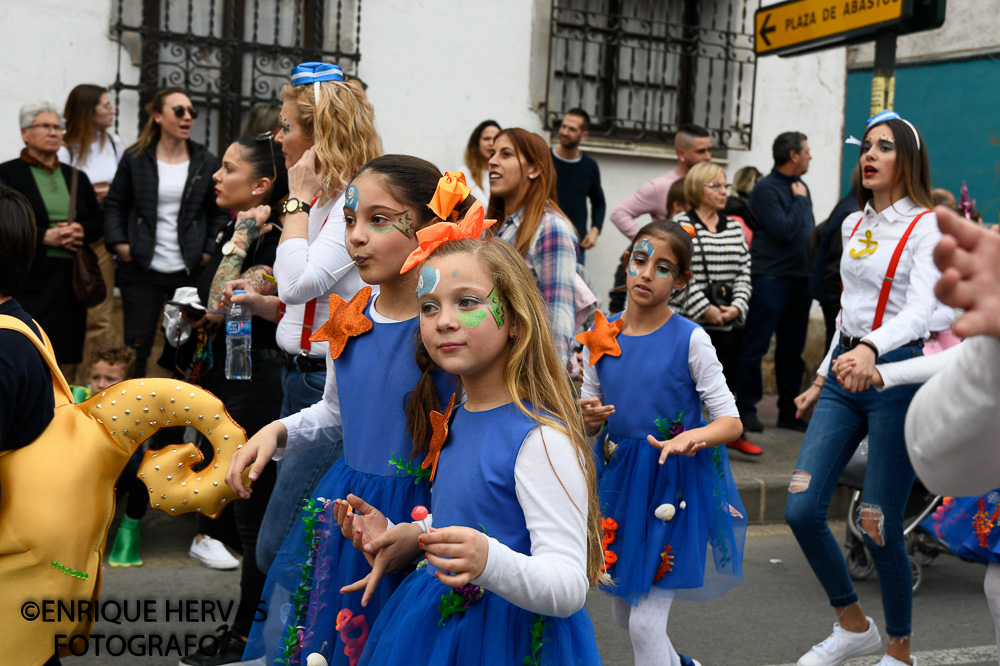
(91, 146)
(161, 218)
(718, 294)
(48, 294)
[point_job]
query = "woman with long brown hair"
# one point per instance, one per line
(476, 158)
(523, 195)
(888, 276)
(160, 216)
(91, 146)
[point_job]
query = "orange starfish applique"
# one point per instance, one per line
(346, 319)
(439, 424)
(603, 338)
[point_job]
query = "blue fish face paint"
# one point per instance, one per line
(351, 198)
(645, 247)
(428, 281)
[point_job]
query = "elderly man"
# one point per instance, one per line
(37, 174)
(693, 145)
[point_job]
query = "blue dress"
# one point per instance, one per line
(474, 487)
(970, 526)
(304, 606)
(651, 387)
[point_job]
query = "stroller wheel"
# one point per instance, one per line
(917, 571)
(859, 565)
(920, 547)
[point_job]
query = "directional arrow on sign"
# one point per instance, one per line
(765, 30)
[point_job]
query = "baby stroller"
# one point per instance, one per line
(921, 545)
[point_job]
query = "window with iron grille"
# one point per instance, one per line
(643, 68)
(229, 55)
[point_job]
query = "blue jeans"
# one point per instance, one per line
(299, 474)
(778, 306)
(839, 423)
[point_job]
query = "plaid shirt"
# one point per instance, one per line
(552, 262)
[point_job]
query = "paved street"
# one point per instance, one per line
(771, 619)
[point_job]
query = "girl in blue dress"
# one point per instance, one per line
(513, 540)
(667, 494)
(385, 429)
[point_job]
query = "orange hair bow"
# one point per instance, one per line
(451, 191)
(471, 226)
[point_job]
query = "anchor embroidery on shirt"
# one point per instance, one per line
(870, 246)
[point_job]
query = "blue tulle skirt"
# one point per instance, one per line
(970, 526)
(698, 554)
(302, 593)
(490, 631)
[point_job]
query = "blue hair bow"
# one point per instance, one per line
(314, 73)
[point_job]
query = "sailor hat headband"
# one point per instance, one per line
(314, 73)
(881, 118)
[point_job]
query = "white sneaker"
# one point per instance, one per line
(841, 645)
(892, 661)
(212, 553)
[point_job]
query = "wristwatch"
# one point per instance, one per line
(232, 248)
(293, 205)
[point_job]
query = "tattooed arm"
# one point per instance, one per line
(262, 304)
(250, 225)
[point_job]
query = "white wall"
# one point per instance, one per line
(48, 47)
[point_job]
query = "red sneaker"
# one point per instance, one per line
(743, 445)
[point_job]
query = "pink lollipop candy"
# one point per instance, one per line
(419, 512)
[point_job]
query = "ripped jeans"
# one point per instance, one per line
(839, 423)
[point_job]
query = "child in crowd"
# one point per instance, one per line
(516, 540)
(666, 490)
(112, 362)
(368, 398)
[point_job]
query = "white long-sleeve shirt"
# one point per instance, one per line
(553, 579)
(304, 271)
(911, 300)
(953, 422)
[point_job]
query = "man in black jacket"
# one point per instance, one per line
(780, 301)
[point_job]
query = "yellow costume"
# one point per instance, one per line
(57, 495)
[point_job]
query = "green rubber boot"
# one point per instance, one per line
(125, 552)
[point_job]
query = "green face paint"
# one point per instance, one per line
(375, 229)
(496, 307)
(472, 319)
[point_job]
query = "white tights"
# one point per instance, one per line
(647, 627)
(991, 586)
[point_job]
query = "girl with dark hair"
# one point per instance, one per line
(666, 489)
(372, 345)
(523, 195)
(160, 216)
(91, 146)
(888, 276)
(477, 155)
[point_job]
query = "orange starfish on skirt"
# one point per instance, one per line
(439, 424)
(603, 338)
(346, 319)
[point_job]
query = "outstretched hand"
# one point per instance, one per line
(969, 257)
(682, 445)
(391, 551)
(360, 522)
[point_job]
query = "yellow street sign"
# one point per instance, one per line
(797, 24)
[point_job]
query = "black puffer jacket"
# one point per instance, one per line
(130, 207)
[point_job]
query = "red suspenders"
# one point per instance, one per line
(309, 315)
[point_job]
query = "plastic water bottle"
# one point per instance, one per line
(238, 340)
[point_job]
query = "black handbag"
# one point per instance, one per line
(88, 283)
(718, 292)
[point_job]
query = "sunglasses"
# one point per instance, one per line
(269, 137)
(179, 111)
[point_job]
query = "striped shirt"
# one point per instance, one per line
(728, 259)
(552, 262)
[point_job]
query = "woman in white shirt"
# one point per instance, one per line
(888, 275)
(91, 146)
(327, 133)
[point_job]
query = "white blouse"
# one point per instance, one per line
(911, 301)
(102, 162)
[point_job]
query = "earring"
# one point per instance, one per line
(253, 192)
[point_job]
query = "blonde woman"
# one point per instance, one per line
(327, 133)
